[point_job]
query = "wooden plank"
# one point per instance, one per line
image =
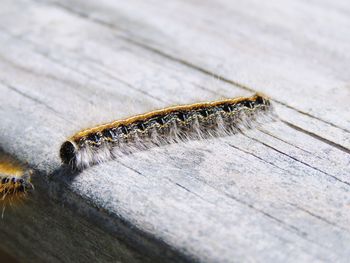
(272, 194)
(301, 65)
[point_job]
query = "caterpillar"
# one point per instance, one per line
(15, 181)
(164, 126)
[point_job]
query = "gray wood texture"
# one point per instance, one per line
(280, 193)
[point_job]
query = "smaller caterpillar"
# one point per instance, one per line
(14, 181)
(164, 126)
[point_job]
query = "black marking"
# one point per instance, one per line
(141, 126)
(259, 100)
(204, 113)
(182, 116)
(4, 180)
(227, 108)
(94, 138)
(124, 129)
(160, 120)
(248, 104)
(108, 133)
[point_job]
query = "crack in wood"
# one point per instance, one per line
(304, 163)
(258, 157)
(18, 91)
(282, 140)
(318, 217)
(314, 135)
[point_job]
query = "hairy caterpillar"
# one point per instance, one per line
(14, 181)
(173, 124)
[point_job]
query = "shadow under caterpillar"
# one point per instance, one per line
(164, 126)
(15, 181)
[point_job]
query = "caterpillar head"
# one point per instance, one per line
(68, 153)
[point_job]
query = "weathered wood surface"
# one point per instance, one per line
(276, 194)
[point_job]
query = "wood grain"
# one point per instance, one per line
(303, 67)
(280, 193)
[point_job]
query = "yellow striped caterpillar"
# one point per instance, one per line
(164, 126)
(14, 181)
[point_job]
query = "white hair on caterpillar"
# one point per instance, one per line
(197, 121)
